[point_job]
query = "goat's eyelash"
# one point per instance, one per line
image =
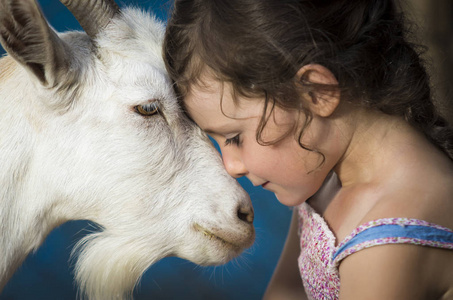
(233, 141)
(147, 110)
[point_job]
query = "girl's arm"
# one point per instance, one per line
(395, 272)
(286, 282)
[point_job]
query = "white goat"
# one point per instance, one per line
(90, 129)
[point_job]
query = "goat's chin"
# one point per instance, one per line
(218, 247)
(213, 255)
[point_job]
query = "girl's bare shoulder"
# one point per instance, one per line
(425, 193)
(397, 271)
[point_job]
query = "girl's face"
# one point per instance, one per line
(285, 168)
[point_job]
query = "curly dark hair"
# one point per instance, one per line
(259, 45)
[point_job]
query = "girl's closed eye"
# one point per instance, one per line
(233, 141)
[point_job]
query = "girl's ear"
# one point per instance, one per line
(320, 101)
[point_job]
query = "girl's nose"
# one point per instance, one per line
(233, 163)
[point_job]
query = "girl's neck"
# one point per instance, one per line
(377, 144)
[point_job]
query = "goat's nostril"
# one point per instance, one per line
(245, 213)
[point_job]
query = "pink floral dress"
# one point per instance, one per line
(320, 258)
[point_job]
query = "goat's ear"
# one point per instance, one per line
(26, 36)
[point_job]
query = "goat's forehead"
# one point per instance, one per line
(137, 72)
(130, 49)
(137, 80)
(134, 34)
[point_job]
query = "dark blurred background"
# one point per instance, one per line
(432, 21)
(47, 274)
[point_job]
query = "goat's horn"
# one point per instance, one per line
(92, 15)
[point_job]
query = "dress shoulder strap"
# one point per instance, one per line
(394, 231)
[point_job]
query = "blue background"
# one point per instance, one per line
(47, 274)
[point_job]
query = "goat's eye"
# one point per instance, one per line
(148, 109)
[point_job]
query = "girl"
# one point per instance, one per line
(300, 93)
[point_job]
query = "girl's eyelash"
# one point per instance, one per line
(233, 141)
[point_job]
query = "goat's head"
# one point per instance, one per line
(91, 129)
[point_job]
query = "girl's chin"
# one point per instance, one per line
(290, 200)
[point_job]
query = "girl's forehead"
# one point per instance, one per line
(207, 80)
(206, 87)
(215, 98)
(209, 97)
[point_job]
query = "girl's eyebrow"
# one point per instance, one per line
(209, 131)
(214, 132)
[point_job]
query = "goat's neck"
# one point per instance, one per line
(25, 216)
(23, 223)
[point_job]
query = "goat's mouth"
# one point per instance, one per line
(212, 236)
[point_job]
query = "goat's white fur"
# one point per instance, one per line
(72, 147)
